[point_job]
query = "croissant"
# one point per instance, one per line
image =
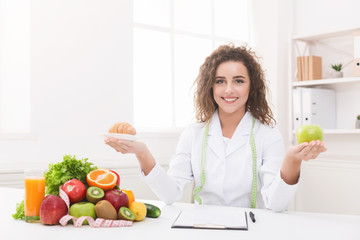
(123, 128)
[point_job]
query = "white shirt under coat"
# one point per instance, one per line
(228, 167)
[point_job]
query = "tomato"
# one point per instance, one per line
(75, 189)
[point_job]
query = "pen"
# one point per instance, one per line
(252, 216)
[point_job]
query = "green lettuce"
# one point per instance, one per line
(69, 168)
(20, 211)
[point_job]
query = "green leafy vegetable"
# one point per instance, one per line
(69, 168)
(20, 211)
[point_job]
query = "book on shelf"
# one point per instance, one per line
(315, 67)
(306, 67)
(309, 68)
(299, 67)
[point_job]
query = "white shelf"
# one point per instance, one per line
(328, 81)
(324, 35)
(339, 131)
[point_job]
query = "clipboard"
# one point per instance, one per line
(212, 217)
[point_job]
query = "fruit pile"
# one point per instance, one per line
(101, 199)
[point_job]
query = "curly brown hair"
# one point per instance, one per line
(205, 104)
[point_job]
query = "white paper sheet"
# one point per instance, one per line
(208, 216)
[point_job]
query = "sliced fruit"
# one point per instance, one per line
(126, 214)
(118, 177)
(102, 178)
(152, 211)
(94, 194)
(139, 209)
(130, 195)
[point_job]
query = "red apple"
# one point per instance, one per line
(117, 198)
(52, 209)
(75, 189)
(118, 178)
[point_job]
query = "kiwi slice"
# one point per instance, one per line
(126, 214)
(94, 194)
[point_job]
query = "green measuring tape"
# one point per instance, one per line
(203, 157)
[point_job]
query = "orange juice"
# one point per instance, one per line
(34, 194)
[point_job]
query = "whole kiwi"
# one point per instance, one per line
(104, 209)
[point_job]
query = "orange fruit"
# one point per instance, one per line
(102, 178)
(130, 195)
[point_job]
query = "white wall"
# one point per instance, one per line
(321, 15)
(272, 26)
(14, 66)
(81, 78)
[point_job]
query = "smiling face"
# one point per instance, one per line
(231, 88)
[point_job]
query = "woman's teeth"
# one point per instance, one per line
(230, 99)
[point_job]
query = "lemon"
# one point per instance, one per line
(139, 209)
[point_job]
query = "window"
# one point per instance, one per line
(14, 66)
(172, 38)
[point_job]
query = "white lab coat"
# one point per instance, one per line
(228, 167)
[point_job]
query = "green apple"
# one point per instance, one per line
(83, 209)
(308, 133)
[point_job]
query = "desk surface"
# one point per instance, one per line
(269, 225)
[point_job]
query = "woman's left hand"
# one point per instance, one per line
(306, 151)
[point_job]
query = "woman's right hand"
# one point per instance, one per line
(126, 146)
(142, 153)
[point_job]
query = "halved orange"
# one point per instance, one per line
(102, 178)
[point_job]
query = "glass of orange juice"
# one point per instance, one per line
(34, 194)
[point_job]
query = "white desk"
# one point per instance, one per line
(269, 225)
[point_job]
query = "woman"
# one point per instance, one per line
(234, 153)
